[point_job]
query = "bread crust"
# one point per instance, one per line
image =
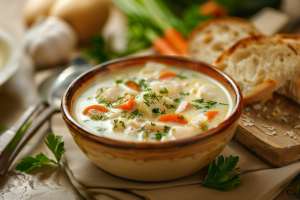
(261, 91)
(207, 41)
(288, 36)
(208, 23)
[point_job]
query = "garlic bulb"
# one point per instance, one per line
(50, 42)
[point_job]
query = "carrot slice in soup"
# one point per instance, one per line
(127, 104)
(211, 114)
(95, 107)
(133, 85)
(168, 75)
(177, 118)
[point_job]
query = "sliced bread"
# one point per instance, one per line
(208, 41)
(262, 64)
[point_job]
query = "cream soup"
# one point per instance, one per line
(153, 103)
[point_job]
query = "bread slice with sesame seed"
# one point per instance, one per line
(208, 41)
(261, 65)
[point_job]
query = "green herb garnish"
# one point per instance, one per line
(102, 100)
(143, 84)
(180, 117)
(199, 100)
(181, 76)
(218, 174)
(204, 128)
(148, 89)
(115, 124)
(152, 124)
(167, 128)
(101, 130)
(54, 144)
(118, 81)
(122, 124)
(135, 114)
(155, 110)
(163, 112)
(97, 118)
(159, 135)
(164, 91)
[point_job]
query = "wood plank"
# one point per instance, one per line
(281, 113)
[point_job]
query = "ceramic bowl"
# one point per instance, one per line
(161, 161)
(9, 56)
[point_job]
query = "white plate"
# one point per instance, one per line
(9, 56)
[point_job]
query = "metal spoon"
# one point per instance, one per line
(51, 90)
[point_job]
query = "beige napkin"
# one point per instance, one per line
(260, 181)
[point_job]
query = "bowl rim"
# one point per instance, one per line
(12, 63)
(84, 132)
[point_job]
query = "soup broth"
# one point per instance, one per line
(152, 103)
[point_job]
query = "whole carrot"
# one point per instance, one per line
(176, 40)
(161, 45)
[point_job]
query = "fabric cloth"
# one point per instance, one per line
(260, 181)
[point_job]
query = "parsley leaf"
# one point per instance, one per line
(54, 144)
(217, 176)
(155, 110)
(204, 128)
(118, 81)
(28, 163)
(159, 135)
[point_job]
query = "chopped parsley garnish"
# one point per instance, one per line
(204, 128)
(164, 91)
(86, 120)
(122, 124)
(177, 100)
(115, 124)
(218, 174)
(180, 117)
(152, 124)
(197, 106)
(170, 106)
(101, 130)
(102, 100)
(109, 104)
(118, 81)
(208, 104)
(135, 114)
(54, 144)
(143, 84)
(167, 128)
(181, 76)
(145, 97)
(163, 112)
(182, 95)
(97, 118)
(148, 89)
(159, 135)
(199, 100)
(155, 110)
(123, 114)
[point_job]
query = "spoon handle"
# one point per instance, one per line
(8, 157)
(9, 134)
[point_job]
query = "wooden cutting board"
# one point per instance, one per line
(259, 121)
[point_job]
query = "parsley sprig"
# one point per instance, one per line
(54, 144)
(218, 174)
